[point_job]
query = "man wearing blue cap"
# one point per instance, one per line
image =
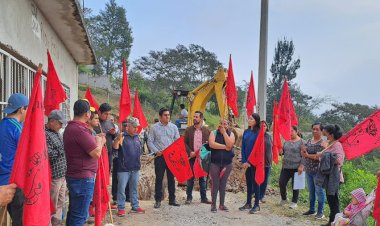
(10, 132)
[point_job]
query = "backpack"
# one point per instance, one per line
(205, 156)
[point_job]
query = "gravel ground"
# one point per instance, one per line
(198, 214)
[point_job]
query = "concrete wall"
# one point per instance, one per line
(102, 82)
(24, 29)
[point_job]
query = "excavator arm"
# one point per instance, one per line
(198, 98)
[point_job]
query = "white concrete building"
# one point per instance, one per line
(28, 28)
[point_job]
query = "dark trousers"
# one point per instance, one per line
(115, 181)
(263, 186)
(252, 186)
(190, 184)
(159, 168)
(219, 176)
(16, 208)
(285, 176)
(333, 201)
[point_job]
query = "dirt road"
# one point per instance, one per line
(198, 214)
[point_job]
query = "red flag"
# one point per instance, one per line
(277, 144)
(138, 113)
(287, 114)
(177, 161)
(125, 97)
(376, 208)
(251, 97)
(101, 197)
(363, 138)
(91, 99)
(54, 92)
(256, 158)
(31, 169)
(231, 92)
(198, 171)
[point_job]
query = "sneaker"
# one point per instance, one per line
(293, 205)
(245, 207)
(319, 216)
(263, 200)
(121, 213)
(283, 202)
(206, 201)
(137, 210)
(213, 208)
(223, 207)
(113, 207)
(188, 201)
(157, 205)
(308, 213)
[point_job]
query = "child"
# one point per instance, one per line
(357, 203)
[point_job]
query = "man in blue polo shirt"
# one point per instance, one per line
(10, 132)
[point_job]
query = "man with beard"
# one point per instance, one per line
(195, 136)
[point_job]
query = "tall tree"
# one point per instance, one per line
(111, 37)
(284, 66)
(179, 68)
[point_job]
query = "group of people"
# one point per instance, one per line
(74, 154)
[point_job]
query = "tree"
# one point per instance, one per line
(111, 37)
(178, 68)
(284, 66)
(347, 115)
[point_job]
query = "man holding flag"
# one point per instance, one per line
(57, 158)
(10, 132)
(195, 136)
(82, 151)
(161, 136)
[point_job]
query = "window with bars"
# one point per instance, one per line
(16, 77)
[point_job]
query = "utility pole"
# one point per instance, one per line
(262, 92)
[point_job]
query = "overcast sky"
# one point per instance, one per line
(337, 41)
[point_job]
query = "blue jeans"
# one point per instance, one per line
(80, 196)
(123, 178)
(263, 186)
(315, 190)
(190, 184)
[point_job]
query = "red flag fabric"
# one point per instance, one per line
(138, 113)
(363, 138)
(287, 114)
(125, 97)
(277, 144)
(54, 92)
(251, 97)
(198, 171)
(31, 169)
(101, 197)
(376, 208)
(256, 158)
(177, 161)
(231, 92)
(91, 99)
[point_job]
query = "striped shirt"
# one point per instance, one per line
(161, 136)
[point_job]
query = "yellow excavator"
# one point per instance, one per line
(197, 100)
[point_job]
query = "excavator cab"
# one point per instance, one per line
(181, 124)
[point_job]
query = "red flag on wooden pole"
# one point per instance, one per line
(251, 97)
(231, 92)
(125, 97)
(138, 112)
(177, 161)
(277, 144)
(101, 197)
(363, 138)
(256, 158)
(91, 99)
(287, 114)
(54, 92)
(31, 169)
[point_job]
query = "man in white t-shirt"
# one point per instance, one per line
(182, 117)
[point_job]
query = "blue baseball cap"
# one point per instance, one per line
(15, 102)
